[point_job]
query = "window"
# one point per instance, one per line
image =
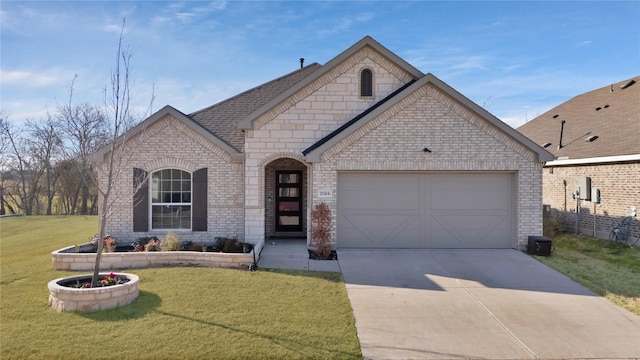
(171, 199)
(366, 83)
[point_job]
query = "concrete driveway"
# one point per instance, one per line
(490, 304)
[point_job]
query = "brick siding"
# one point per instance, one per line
(168, 143)
(300, 121)
(619, 191)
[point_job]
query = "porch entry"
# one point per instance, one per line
(288, 204)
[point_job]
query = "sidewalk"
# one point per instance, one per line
(292, 254)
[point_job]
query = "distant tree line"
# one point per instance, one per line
(45, 165)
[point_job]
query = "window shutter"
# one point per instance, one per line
(140, 201)
(199, 200)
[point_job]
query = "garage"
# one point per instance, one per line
(426, 210)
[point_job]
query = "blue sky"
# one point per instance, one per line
(516, 59)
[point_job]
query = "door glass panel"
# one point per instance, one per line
(289, 206)
(288, 178)
(288, 192)
(289, 220)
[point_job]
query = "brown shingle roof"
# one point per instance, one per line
(611, 113)
(222, 118)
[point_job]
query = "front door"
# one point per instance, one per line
(288, 200)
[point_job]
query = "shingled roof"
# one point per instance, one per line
(600, 123)
(222, 118)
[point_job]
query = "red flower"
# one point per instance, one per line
(112, 276)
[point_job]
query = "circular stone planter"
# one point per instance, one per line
(63, 298)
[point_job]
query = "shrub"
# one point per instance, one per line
(231, 245)
(110, 244)
(170, 243)
(141, 243)
(218, 243)
(152, 245)
(321, 229)
(551, 225)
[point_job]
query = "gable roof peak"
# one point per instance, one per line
(247, 122)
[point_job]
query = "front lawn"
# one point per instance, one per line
(610, 270)
(186, 313)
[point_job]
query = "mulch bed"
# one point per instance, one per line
(314, 256)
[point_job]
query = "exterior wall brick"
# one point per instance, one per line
(168, 143)
(393, 141)
(618, 190)
(309, 115)
(459, 141)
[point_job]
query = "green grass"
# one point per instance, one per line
(187, 313)
(610, 270)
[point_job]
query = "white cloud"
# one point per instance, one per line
(345, 23)
(184, 16)
(28, 78)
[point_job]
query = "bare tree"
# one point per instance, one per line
(22, 168)
(86, 129)
(4, 145)
(45, 147)
(68, 184)
(120, 149)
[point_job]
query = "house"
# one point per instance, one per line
(595, 137)
(402, 159)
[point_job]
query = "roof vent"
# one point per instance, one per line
(591, 138)
(598, 108)
(606, 106)
(555, 116)
(546, 145)
(629, 83)
(561, 131)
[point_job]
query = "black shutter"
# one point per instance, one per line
(140, 201)
(199, 200)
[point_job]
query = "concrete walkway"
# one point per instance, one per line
(292, 254)
(490, 304)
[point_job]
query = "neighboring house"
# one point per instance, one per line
(401, 158)
(600, 140)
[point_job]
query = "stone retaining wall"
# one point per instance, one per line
(67, 259)
(62, 298)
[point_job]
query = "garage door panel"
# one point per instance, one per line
(470, 230)
(470, 199)
(379, 199)
(380, 230)
(366, 182)
(425, 210)
(460, 181)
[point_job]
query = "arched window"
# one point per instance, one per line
(366, 83)
(171, 200)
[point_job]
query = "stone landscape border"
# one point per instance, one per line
(68, 259)
(63, 298)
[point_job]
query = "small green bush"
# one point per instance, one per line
(170, 243)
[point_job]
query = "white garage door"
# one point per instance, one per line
(425, 210)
